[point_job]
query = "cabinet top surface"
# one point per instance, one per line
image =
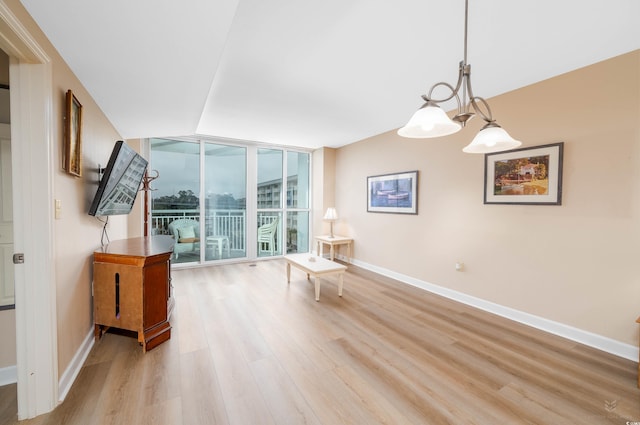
(139, 247)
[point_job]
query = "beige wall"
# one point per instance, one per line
(77, 234)
(135, 220)
(4, 68)
(324, 188)
(8, 338)
(575, 263)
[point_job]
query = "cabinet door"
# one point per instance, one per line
(156, 294)
(117, 296)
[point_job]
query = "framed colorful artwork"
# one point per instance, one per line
(524, 176)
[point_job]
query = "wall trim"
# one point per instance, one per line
(75, 366)
(16, 41)
(590, 339)
(8, 375)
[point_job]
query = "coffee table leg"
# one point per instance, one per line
(317, 288)
(340, 281)
(288, 272)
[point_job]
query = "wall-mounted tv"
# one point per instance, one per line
(120, 182)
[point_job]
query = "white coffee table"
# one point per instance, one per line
(317, 267)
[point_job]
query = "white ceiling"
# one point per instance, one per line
(314, 73)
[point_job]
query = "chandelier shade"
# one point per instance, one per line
(431, 121)
(491, 138)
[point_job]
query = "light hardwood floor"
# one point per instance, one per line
(249, 349)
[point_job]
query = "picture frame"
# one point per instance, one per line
(393, 193)
(525, 176)
(72, 163)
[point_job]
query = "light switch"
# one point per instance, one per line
(58, 208)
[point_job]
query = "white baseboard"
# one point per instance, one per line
(600, 342)
(71, 373)
(8, 375)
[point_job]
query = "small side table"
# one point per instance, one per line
(219, 241)
(332, 242)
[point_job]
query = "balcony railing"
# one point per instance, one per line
(160, 219)
(231, 223)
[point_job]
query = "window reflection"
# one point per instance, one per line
(281, 201)
(226, 201)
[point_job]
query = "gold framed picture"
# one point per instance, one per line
(73, 135)
(524, 176)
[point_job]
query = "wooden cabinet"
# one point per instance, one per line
(132, 288)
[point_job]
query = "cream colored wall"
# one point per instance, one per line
(575, 263)
(77, 234)
(8, 338)
(324, 188)
(135, 220)
(4, 68)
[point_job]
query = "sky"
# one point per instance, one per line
(178, 167)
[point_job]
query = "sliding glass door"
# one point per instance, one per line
(201, 199)
(283, 205)
(175, 195)
(225, 207)
(269, 202)
(298, 201)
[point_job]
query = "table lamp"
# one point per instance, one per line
(331, 215)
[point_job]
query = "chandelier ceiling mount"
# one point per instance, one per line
(431, 121)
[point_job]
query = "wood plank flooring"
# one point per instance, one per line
(247, 349)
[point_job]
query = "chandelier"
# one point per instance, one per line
(431, 121)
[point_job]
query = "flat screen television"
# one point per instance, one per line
(120, 182)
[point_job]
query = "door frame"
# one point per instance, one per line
(30, 75)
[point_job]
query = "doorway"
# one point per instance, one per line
(30, 71)
(8, 370)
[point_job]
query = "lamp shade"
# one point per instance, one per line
(491, 138)
(429, 121)
(331, 214)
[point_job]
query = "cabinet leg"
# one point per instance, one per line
(99, 330)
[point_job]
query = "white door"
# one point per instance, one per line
(32, 144)
(6, 219)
